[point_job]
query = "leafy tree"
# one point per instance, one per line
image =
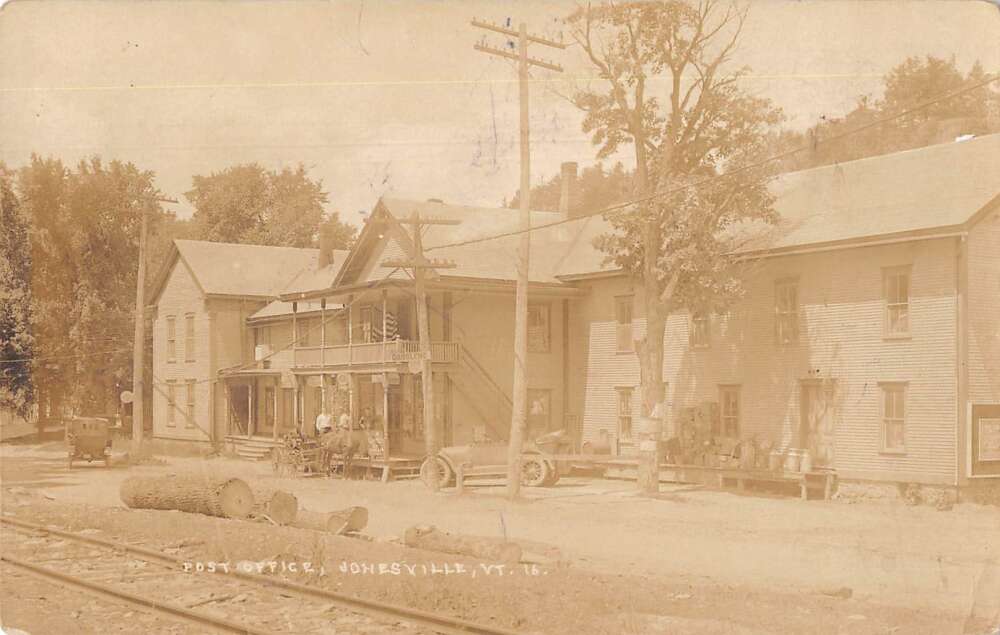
(914, 82)
(84, 237)
(250, 204)
(16, 344)
(674, 246)
(596, 188)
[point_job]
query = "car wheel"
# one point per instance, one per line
(534, 471)
(443, 471)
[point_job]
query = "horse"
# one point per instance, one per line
(347, 444)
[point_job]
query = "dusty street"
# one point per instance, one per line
(723, 560)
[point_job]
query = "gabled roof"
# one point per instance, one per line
(905, 193)
(306, 280)
(235, 269)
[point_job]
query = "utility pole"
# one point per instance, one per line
(139, 345)
(520, 398)
(420, 265)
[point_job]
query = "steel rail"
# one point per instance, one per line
(156, 605)
(440, 623)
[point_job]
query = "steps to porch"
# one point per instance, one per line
(251, 448)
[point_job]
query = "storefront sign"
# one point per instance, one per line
(314, 381)
(989, 439)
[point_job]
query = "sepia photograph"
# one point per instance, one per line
(528, 317)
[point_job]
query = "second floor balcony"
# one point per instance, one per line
(366, 353)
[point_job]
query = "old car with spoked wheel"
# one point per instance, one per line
(540, 466)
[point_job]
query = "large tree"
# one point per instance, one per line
(595, 189)
(669, 91)
(916, 81)
(16, 345)
(250, 204)
(84, 235)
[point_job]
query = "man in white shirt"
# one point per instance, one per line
(323, 424)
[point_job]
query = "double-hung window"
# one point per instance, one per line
(786, 311)
(623, 324)
(893, 412)
(896, 295)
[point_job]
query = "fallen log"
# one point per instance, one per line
(213, 496)
(339, 522)
(432, 539)
(279, 506)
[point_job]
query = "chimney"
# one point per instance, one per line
(325, 245)
(567, 195)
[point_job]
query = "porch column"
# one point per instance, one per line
(295, 406)
(229, 409)
(250, 417)
(350, 332)
(295, 329)
(277, 395)
(385, 411)
(384, 323)
(322, 353)
(352, 400)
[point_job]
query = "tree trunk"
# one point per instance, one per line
(492, 549)
(338, 522)
(222, 497)
(279, 506)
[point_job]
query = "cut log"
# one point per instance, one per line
(339, 522)
(493, 549)
(213, 496)
(277, 505)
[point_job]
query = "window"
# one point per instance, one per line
(786, 311)
(262, 336)
(368, 324)
(896, 293)
(190, 403)
(171, 338)
(269, 405)
(539, 412)
(624, 413)
(189, 337)
(701, 330)
(893, 417)
(729, 396)
(171, 403)
(307, 332)
(538, 328)
(623, 320)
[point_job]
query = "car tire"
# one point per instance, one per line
(534, 471)
(444, 471)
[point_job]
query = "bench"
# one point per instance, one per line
(467, 470)
(822, 481)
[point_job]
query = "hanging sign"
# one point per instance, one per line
(287, 380)
(989, 439)
(344, 381)
(314, 381)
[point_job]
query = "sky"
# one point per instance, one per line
(378, 97)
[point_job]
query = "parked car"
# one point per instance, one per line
(537, 467)
(88, 438)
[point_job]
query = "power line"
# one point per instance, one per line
(78, 355)
(706, 180)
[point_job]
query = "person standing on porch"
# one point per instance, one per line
(323, 423)
(345, 420)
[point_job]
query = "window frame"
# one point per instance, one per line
(885, 388)
(171, 339)
(189, 343)
(694, 341)
(737, 418)
(305, 332)
(171, 403)
(625, 301)
(546, 310)
(625, 394)
(262, 335)
(786, 315)
(888, 274)
(189, 402)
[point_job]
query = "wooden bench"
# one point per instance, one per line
(806, 480)
(467, 470)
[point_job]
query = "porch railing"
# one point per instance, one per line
(394, 351)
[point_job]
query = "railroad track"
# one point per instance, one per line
(233, 602)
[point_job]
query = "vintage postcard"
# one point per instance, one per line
(539, 317)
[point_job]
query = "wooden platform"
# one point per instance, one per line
(395, 467)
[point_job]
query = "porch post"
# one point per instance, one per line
(295, 406)
(385, 415)
(350, 330)
(322, 353)
(229, 409)
(250, 417)
(384, 324)
(295, 328)
(277, 394)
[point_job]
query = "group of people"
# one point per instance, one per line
(324, 422)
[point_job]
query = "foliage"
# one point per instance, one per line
(250, 204)
(84, 237)
(16, 343)
(596, 188)
(913, 82)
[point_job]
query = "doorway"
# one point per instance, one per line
(239, 410)
(817, 420)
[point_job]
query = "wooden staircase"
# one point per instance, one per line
(251, 448)
(483, 393)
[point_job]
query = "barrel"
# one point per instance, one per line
(793, 460)
(806, 464)
(774, 460)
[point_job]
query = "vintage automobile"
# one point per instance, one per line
(538, 468)
(88, 438)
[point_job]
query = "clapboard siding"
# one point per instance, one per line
(984, 310)
(387, 249)
(841, 337)
(181, 296)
